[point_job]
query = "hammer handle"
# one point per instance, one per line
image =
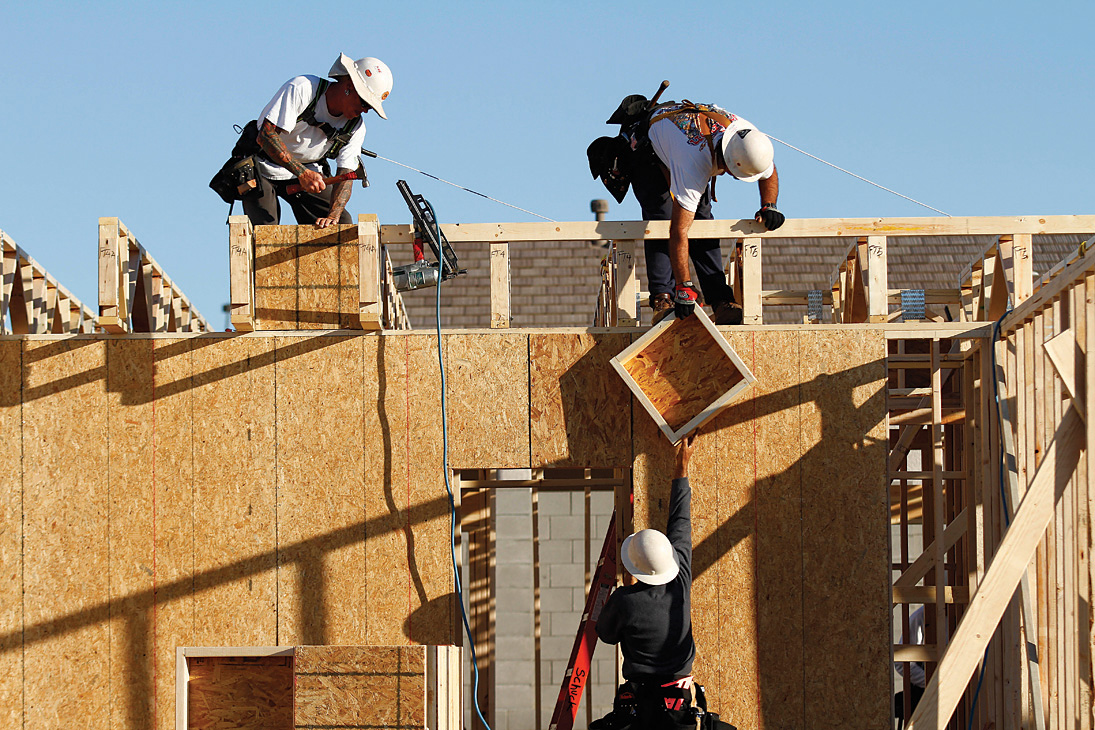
(658, 94)
(296, 188)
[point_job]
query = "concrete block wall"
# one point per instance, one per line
(562, 599)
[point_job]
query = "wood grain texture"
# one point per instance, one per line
(360, 686)
(276, 284)
(318, 276)
(349, 269)
(683, 371)
(235, 591)
(131, 418)
(579, 407)
(174, 489)
(237, 693)
(11, 534)
(409, 576)
(487, 386)
(66, 559)
(321, 491)
(844, 491)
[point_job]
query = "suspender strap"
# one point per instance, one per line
(339, 137)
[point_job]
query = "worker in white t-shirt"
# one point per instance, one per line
(309, 121)
(697, 143)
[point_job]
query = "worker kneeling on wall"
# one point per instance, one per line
(652, 622)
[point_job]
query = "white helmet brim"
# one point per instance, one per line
(356, 70)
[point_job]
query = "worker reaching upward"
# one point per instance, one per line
(671, 155)
(652, 621)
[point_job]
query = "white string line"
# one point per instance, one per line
(473, 192)
(881, 187)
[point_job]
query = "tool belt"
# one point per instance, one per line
(660, 705)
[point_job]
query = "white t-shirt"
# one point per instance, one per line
(916, 630)
(679, 144)
(306, 143)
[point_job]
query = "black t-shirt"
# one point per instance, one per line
(653, 624)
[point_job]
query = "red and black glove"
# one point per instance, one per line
(684, 300)
(769, 217)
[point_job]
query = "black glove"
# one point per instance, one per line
(684, 300)
(769, 217)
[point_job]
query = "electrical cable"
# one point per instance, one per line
(448, 489)
(859, 177)
(468, 190)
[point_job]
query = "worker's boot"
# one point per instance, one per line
(662, 304)
(728, 313)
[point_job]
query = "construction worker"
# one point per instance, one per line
(671, 154)
(652, 620)
(308, 121)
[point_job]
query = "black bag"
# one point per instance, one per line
(237, 178)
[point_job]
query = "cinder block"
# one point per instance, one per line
(513, 623)
(516, 575)
(567, 527)
(556, 599)
(515, 673)
(513, 502)
(556, 551)
(519, 646)
(566, 575)
(554, 503)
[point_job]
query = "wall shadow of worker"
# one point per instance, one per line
(790, 516)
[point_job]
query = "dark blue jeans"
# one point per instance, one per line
(652, 192)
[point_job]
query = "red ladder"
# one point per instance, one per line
(574, 681)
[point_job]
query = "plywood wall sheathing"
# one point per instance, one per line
(235, 528)
(306, 278)
(11, 535)
(360, 686)
(240, 692)
(321, 491)
(408, 576)
(150, 523)
(578, 405)
(776, 478)
(66, 640)
(488, 386)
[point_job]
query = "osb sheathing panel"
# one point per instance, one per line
(845, 590)
(173, 567)
(276, 287)
(318, 263)
(748, 475)
(579, 407)
(11, 535)
(321, 491)
(306, 278)
(66, 576)
(150, 524)
(408, 578)
(360, 686)
(230, 693)
(488, 399)
(235, 529)
(683, 371)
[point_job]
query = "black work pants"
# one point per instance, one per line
(263, 206)
(652, 192)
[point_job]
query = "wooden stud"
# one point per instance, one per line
(369, 272)
(1002, 577)
(627, 286)
(499, 285)
(752, 312)
(241, 262)
(872, 252)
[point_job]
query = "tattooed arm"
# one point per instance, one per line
(275, 149)
(339, 199)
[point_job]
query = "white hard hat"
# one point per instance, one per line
(371, 78)
(748, 153)
(649, 557)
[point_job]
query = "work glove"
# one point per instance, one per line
(769, 217)
(684, 300)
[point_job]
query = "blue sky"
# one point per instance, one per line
(126, 109)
